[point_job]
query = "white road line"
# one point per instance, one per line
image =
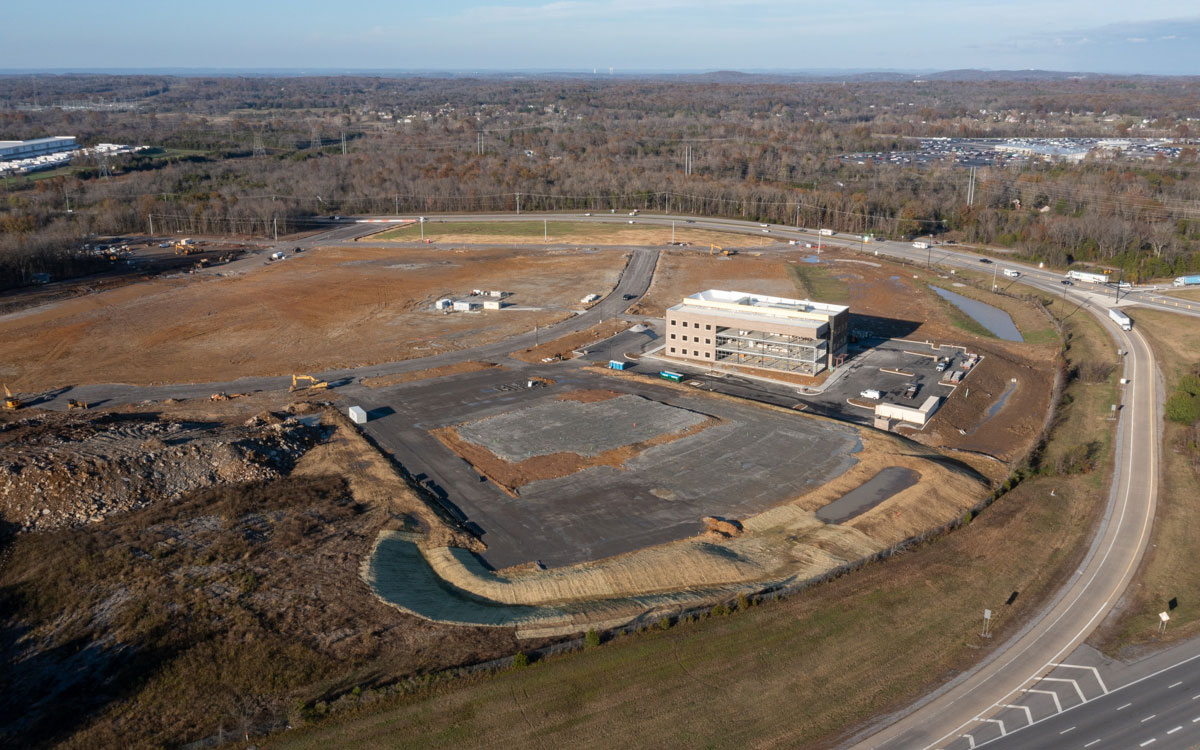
(1196, 719)
(1127, 705)
(1094, 671)
(1050, 693)
(1067, 730)
(1028, 713)
(1093, 742)
(1073, 682)
(1194, 697)
(1001, 723)
(1173, 731)
(1177, 684)
(1148, 718)
(1148, 742)
(970, 741)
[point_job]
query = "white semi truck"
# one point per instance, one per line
(1120, 319)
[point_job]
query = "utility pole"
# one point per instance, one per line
(275, 227)
(994, 269)
(971, 188)
(1117, 291)
(545, 230)
(672, 233)
(518, 204)
(343, 143)
(396, 210)
(151, 218)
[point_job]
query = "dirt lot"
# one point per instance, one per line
(574, 233)
(329, 308)
(222, 609)
(565, 346)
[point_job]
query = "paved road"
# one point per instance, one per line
(1159, 709)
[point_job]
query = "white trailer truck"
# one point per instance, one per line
(1120, 319)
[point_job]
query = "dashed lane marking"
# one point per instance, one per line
(1067, 730)
(1173, 731)
(1148, 718)
(1127, 705)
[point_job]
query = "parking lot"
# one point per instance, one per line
(886, 365)
(748, 461)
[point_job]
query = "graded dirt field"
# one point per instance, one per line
(565, 232)
(328, 308)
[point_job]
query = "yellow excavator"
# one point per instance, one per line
(713, 248)
(76, 404)
(11, 401)
(300, 382)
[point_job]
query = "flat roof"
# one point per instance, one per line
(761, 305)
(751, 316)
(35, 141)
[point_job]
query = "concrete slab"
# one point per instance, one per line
(570, 426)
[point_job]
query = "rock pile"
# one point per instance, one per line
(66, 470)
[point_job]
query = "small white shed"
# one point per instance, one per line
(357, 415)
(492, 304)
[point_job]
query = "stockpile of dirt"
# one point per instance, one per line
(66, 470)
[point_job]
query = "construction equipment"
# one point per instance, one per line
(11, 401)
(300, 382)
(75, 404)
(223, 396)
(712, 248)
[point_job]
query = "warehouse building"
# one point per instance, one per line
(756, 330)
(12, 150)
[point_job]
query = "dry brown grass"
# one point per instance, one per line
(564, 347)
(431, 373)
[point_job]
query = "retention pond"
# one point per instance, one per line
(998, 322)
(867, 495)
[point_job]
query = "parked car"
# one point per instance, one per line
(985, 260)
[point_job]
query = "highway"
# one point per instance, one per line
(990, 700)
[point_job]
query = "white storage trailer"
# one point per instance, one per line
(1091, 278)
(1120, 319)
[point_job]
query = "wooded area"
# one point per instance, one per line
(750, 147)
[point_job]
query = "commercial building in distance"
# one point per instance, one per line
(756, 330)
(11, 150)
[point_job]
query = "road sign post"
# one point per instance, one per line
(987, 624)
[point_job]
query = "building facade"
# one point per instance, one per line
(749, 330)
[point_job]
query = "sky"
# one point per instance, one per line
(1104, 36)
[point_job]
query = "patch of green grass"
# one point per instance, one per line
(524, 230)
(819, 282)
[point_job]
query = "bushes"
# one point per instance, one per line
(592, 638)
(1184, 404)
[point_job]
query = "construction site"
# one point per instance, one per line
(512, 484)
